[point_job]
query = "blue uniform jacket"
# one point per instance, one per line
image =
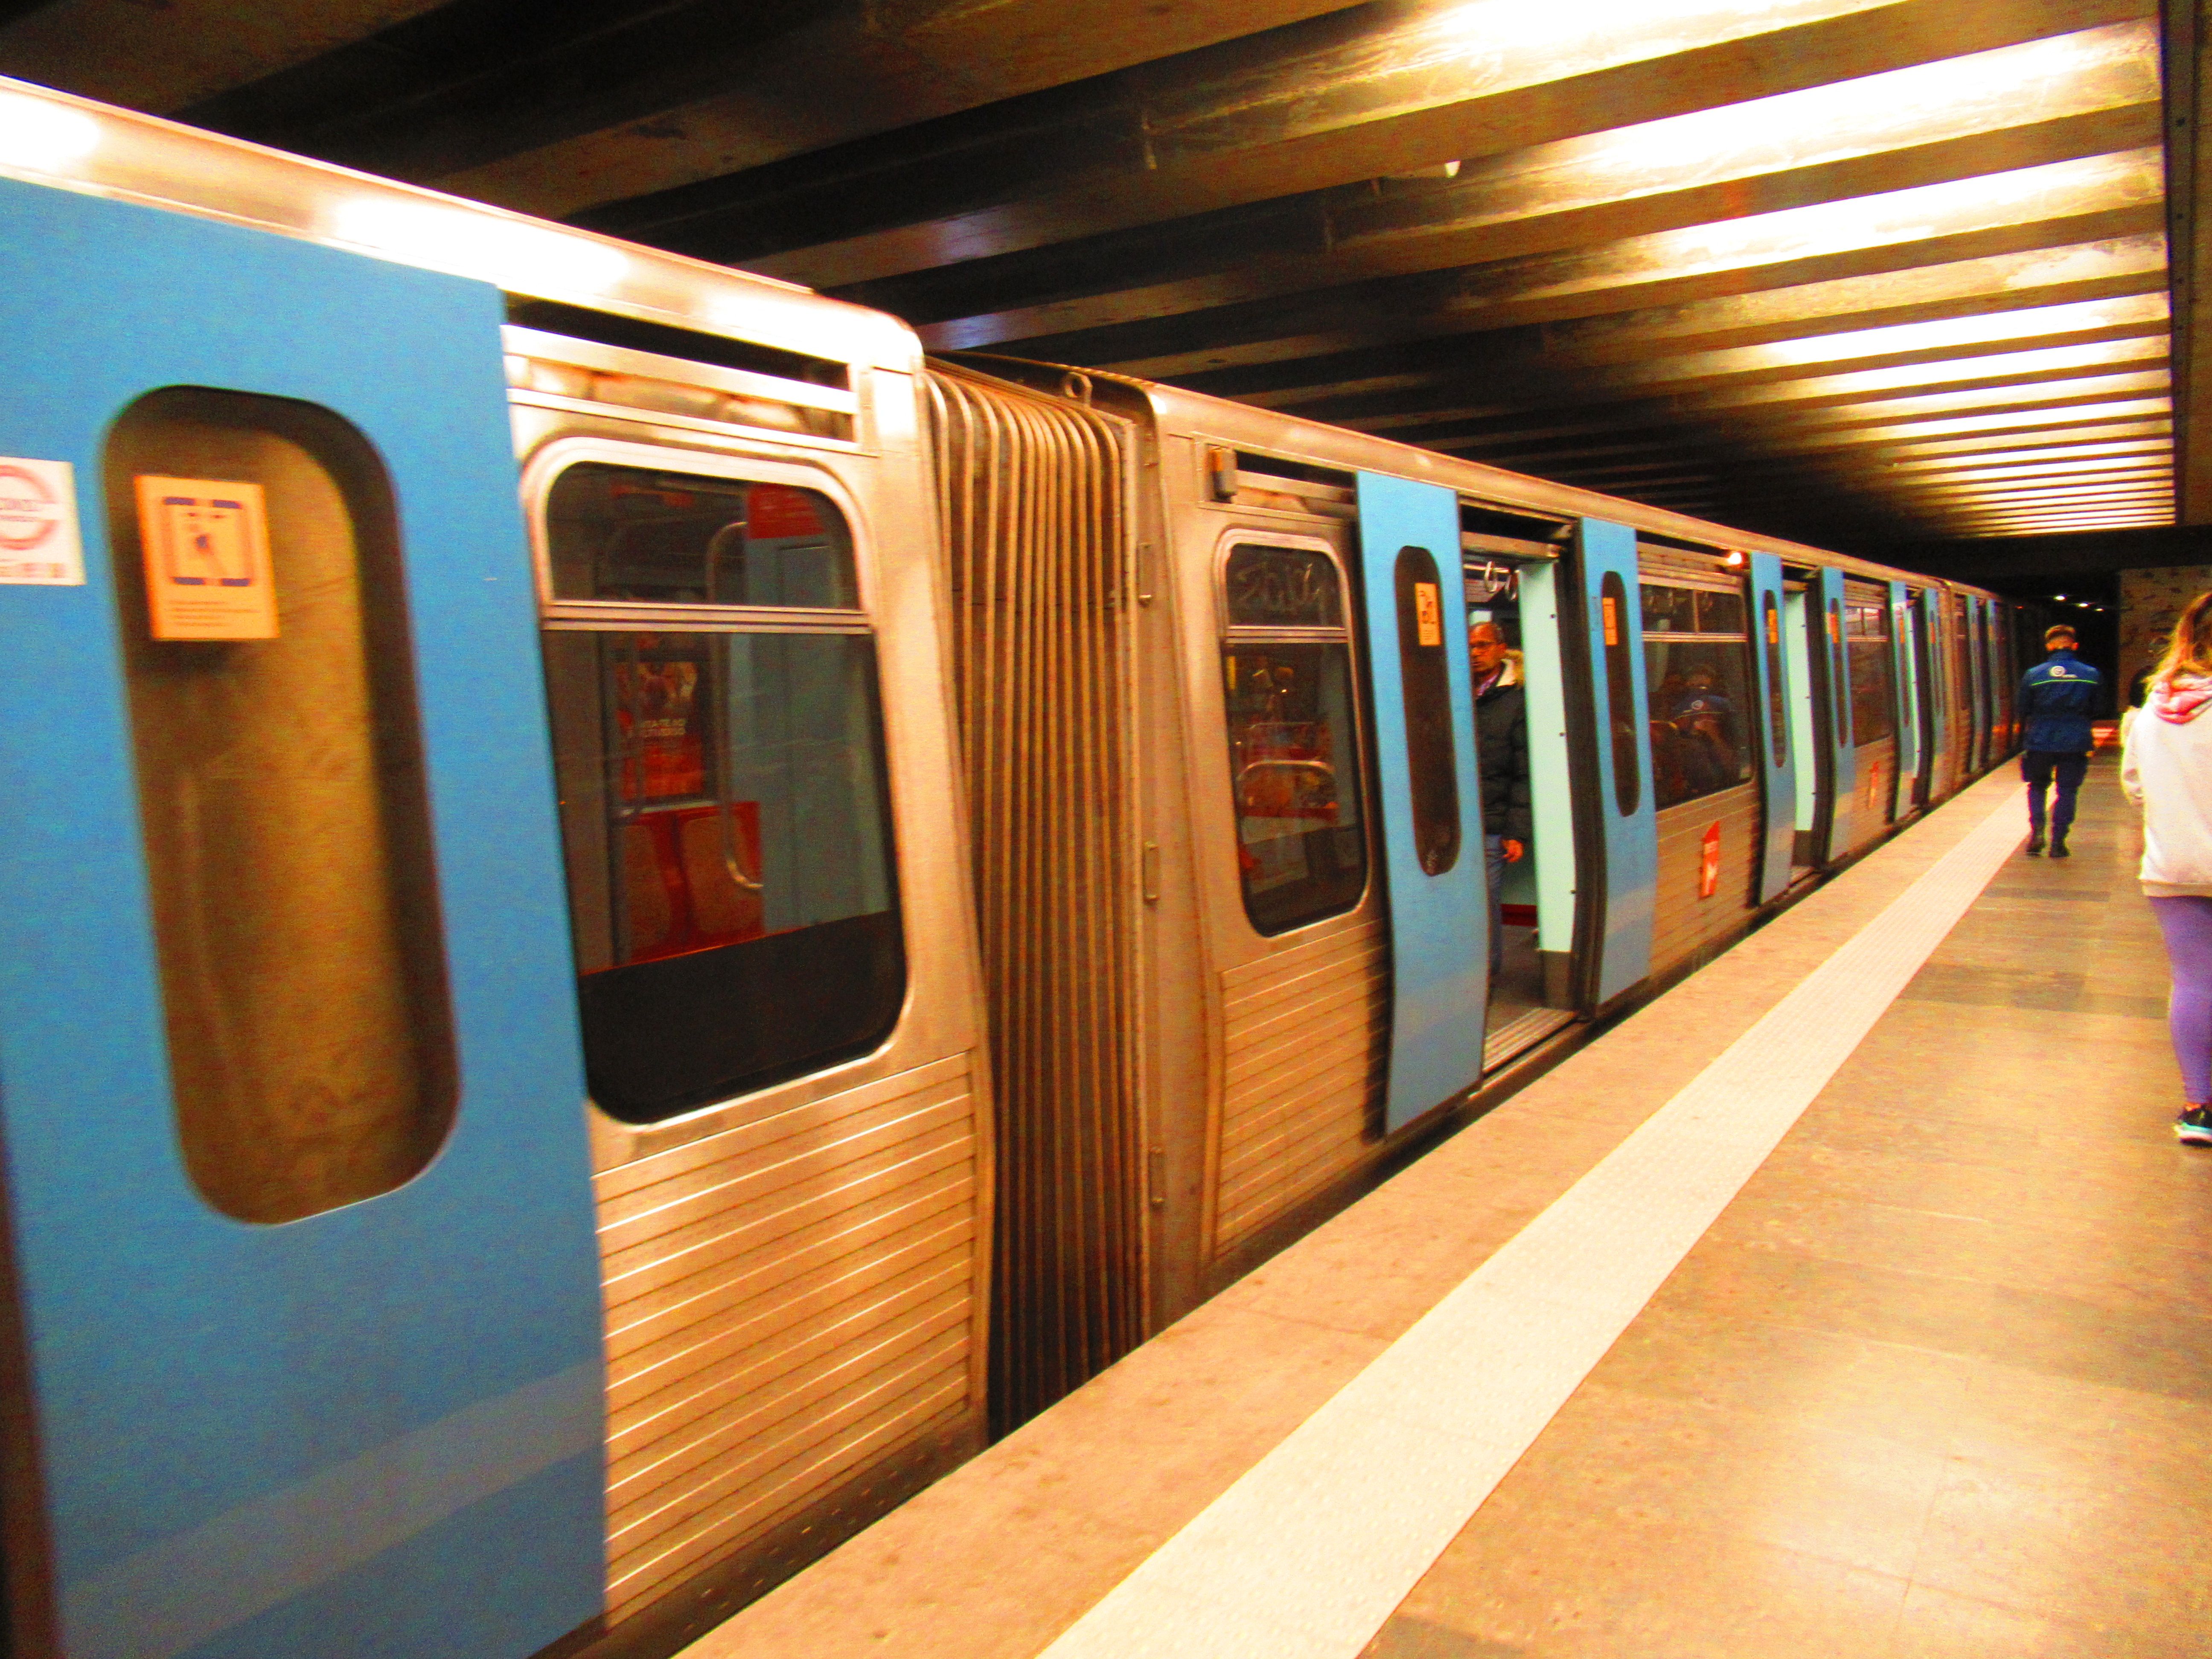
(2058, 700)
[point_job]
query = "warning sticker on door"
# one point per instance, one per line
(38, 543)
(206, 543)
(1429, 613)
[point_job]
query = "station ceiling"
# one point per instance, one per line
(1856, 271)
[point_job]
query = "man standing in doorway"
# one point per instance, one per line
(2057, 699)
(1501, 751)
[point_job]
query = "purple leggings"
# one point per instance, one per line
(2187, 924)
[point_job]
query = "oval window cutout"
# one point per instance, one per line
(1777, 714)
(1620, 693)
(282, 799)
(1427, 686)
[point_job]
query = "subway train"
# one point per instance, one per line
(636, 916)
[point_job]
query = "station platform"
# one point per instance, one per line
(1847, 1300)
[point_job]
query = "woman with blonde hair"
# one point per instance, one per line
(2166, 769)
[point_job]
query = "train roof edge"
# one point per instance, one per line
(1248, 425)
(64, 142)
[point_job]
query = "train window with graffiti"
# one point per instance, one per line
(1294, 765)
(632, 534)
(282, 796)
(1698, 674)
(727, 826)
(1873, 671)
(1282, 588)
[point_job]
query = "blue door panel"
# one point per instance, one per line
(254, 1429)
(1440, 921)
(1777, 779)
(1937, 690)
(1629, 839)
(1831, 635)
(1833, 629)
(1903, 675)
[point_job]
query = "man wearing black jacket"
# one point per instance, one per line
(1501, 751)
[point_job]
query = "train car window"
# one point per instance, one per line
(1866, 636)
(625, 533)
(284, 801)
(1670, 609)
(1282, 588)
(1294, 770)
(1698, 677)
(1620, 693)
(1778, 712)
(727, 824)
(1427, 692)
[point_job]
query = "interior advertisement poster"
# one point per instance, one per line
(206, 543)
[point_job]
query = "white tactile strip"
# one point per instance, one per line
(1312, 1549)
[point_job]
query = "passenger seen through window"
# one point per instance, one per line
(1697, 666)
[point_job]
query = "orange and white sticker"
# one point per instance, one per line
(206, 545)
(1428, 613)
(1612, 620)
(39, 542)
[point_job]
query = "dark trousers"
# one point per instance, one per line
(2042, 770)
(1494, 870)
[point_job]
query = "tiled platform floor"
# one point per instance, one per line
(1932, 1386)
(1940, 1380)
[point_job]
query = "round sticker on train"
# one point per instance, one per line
(39, 542)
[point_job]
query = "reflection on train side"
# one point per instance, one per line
(1698, 669)
(1293, 759)
(721, 779)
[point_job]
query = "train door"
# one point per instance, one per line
(1531, 986)
(1928, 679)
(1777, 768)
(1810, 763)
(1978, 683)
(1831, 673)
(297, 1179)
(2005, 680)
(1905, 675)
(1619, 888)
(1430, 799)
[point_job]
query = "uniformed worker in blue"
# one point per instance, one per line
(2058, 700)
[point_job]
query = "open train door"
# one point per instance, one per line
(1777, 768)
(1415, 609)
(1831, 698)
(297, 1180)
(1911, 692)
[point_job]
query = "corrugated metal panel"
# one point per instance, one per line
(1863, 815)
(1685, 922)
(1037, 544)
(788, 1301)
(1305, 1034)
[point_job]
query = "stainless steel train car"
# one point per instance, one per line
(634, 915)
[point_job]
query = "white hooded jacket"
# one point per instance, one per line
(2166, 769)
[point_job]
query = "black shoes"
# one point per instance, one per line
(2194, 1127)
(2058, 850)
(2035, 844)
